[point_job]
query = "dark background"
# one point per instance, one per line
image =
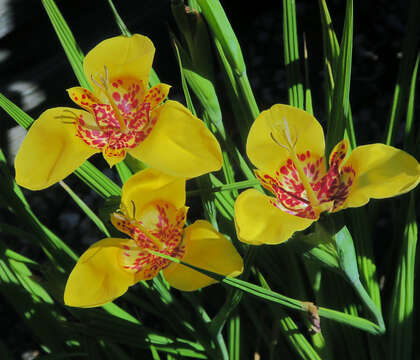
(34, 73)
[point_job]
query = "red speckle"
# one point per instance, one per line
(284, 170)
(116, 96)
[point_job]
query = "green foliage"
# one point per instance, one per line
(249, 315)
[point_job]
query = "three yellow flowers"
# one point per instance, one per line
(122, 115)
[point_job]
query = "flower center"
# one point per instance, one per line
(286, 137)
(158, 228)
(103, 85)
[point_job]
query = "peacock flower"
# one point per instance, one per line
(152, 213)
(287, 146)
(120, 115)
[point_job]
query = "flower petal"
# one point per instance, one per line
(98, 276)
(305, 132)
(124, 57)
(156, 95)
(83, 97)
(150, 185)
(205, 248)
(179, 144)
(51, 150)
(258, 221)
(382, 171)
(113, 156)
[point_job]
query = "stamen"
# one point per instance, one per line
(71, 112)
(295, 196)
(287, 131)
(134, 209)
(277, 142)
(96, 83)
(106, 74)
(290, 137)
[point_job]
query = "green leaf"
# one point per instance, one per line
(409, 138)
(401, 316)
(123, 28)
(70, 46)
(409, 48)
(225, 37)
(291, 55)
(91, 215)
(341, 123)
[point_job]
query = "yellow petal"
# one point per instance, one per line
(83, 97)
(258, 221)
(205, 248)
(51, 150)
(150, 185)
(98, 277)
(124, 57)
(284, 123)
(381, 172)
(179, 144)
(113, 156)
(156, 95)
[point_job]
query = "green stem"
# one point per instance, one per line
(228, 187)
(271, 296)
(369, 303)
(124, 30)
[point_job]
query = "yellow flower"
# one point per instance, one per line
(152, 214)
(121, 115)
(287, 146)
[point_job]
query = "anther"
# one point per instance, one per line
(134, 209)
(277, 142)
(96, 83)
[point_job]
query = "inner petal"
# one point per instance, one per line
(105, 116)
(83, 97)
(128, 95)
(335, 185)
(287, 186)
(90, 132)
(159, 229)
(156, 95)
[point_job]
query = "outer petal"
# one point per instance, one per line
(124, 57)
(98, 277)
(179, 144)
(205, 248)
(150, 185)
(51, 150)
(305, 130)
(258, 221)
(382, 171)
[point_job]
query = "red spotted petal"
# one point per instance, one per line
(160, 229)
(156, 95)
(105, 116)
(288, 187)
(335, 184)
(127, 95)
(83, 97)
